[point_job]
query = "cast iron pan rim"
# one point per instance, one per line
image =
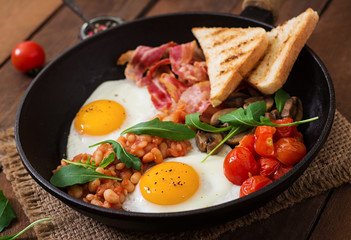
(302, 165)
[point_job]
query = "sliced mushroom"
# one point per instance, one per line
(253, 92)
(269, 101)
(289, 110)
(237, 138)
(235, 99)
(206, 142)
(299, 110)
(250, 100)
(215, 117)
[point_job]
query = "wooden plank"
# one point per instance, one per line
(168, 6)
(21, 221)
(331, 41)
(19, 18)
(286, 224)
(335, 221)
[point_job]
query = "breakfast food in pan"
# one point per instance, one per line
(178, 153)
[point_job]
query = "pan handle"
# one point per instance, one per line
(263, 10)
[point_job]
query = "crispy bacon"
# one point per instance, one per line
(173, 85)
(185, 62)
(196, 98)
(159, 95)
(142, 58)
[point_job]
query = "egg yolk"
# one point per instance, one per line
(169, 183)
(99, 117)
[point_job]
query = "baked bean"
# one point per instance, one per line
(128, 185)
(122, 197)
(100, 170)
(158, 155)
(163, 148)
(131, 138)
(135, 177)
(120, 166)
(75, 191)
(140, 152)
(96, 202)
(93, 185)
(111, 196)
(98, 157)
(147, 138)
(90, 197)
(126, 174)
(148, 157)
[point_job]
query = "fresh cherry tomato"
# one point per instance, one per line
(289, 150)
(264, 129)
(27, 55)
(288, 131)
(268, 166)
(249, 142)
(282, 169)
(264, 145)
(239, 165)
(252, 184)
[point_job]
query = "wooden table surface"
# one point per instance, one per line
(55, 27)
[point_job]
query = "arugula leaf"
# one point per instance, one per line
(88, 164)
(106, 161)
(193, 120)
(234, 131)
(7, 214)
(74, 174)
(24, 230)
(248, 116)
(131, 161)
(164, 129)
(280, 98)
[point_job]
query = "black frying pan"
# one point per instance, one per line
(54, 97)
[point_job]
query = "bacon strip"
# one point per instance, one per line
(173, 85)
(196, 98)
(143, 58)
(159, 95)
(184, 60)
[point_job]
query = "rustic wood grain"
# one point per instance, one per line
(331, 41)
(335, 221)
(19, 19)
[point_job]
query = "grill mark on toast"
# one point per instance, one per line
(225, 40)
(232, 58)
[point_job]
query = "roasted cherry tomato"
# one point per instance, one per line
(268, 166)
(27, 55)
(289, 150)
(252, 184)
(249, 142)
(264, 129)
(288, 131)
(239, 165)
(282, 169)
(264, 144)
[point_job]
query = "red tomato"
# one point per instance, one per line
(239, 165)
(264, 129)
(249, 142)
(268, 166)
(282, 169)
(289, 150)
(288, 131)
(27, 55)
(264, 144)
(252, 184)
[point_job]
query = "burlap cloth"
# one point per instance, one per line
(330, 169)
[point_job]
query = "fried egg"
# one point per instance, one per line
(113, 107)
(183, 183)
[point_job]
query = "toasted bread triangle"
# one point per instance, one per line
(230, 53)
(285, 44)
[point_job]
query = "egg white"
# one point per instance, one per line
(214, 187)
(136, 102)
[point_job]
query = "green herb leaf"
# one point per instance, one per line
(88, 164)
(164, 129)
(106, 161)
(7, 214)
(74, 174)
(280, 98)
(264, 121)
(193, 120)
(248, 116)
(131, 161)
(234, 131)
(24, 230)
